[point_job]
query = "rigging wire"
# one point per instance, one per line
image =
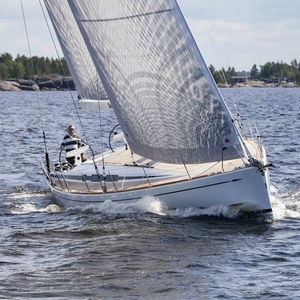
(36, 93)
(103, 186)
(216, 53)
(233, 120)
(101, 142)
(64, 72)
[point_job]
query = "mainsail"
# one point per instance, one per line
(81, 66)
(161, 90)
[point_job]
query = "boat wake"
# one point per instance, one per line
(24, 201)
(285, 204)
(147, 204)
(214, 211)
(155, 206)
(27, 208)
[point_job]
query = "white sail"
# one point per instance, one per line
(81, 66)
(159, 86)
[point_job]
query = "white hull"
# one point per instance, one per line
(247, 187)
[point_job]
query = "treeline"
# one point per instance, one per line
(267, 72)
(23, 67)
(283, 71)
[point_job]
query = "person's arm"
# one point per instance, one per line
(63, 144)
(80, 142)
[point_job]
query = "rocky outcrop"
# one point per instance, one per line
(18, 85)
(58, 83)
(28, 85)
(9, 86)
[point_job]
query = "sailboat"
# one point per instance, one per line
(181, 143)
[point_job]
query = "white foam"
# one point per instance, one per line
(24, 195)
(286, 204)
(52, 208)
(216, 211)
(147, 204)
(153, 205)
(27, 208)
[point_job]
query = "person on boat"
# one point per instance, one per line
(71, 142)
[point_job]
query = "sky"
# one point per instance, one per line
(232, 33)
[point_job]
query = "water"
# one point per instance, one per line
(144, 251)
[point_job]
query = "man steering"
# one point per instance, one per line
(71, 142)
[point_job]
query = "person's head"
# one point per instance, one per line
(71, 129)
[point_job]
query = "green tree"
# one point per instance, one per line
(6, 58)
(254, 72)
(47, 66)
(294, 64)
(230, 73)
(6, 62)
(29, 68)
(17, 70)
(217, 75)
(4, 73)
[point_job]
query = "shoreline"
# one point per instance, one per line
(57, 83)
(260, 84)
(61, 83)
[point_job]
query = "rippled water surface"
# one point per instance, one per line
(144, 251)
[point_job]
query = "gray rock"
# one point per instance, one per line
(52, 84)
(58, 83)
(48, 85)
(28, 85)
(9, 86)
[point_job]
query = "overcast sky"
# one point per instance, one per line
(228, 33)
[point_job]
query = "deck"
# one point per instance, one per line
(185, 172)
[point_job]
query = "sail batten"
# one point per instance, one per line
(81, 66)
(127, 17)
(159, 86)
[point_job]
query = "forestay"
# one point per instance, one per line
(160, 88)
(81, 66)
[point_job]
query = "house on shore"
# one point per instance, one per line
(240, 79)
(280, 80)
